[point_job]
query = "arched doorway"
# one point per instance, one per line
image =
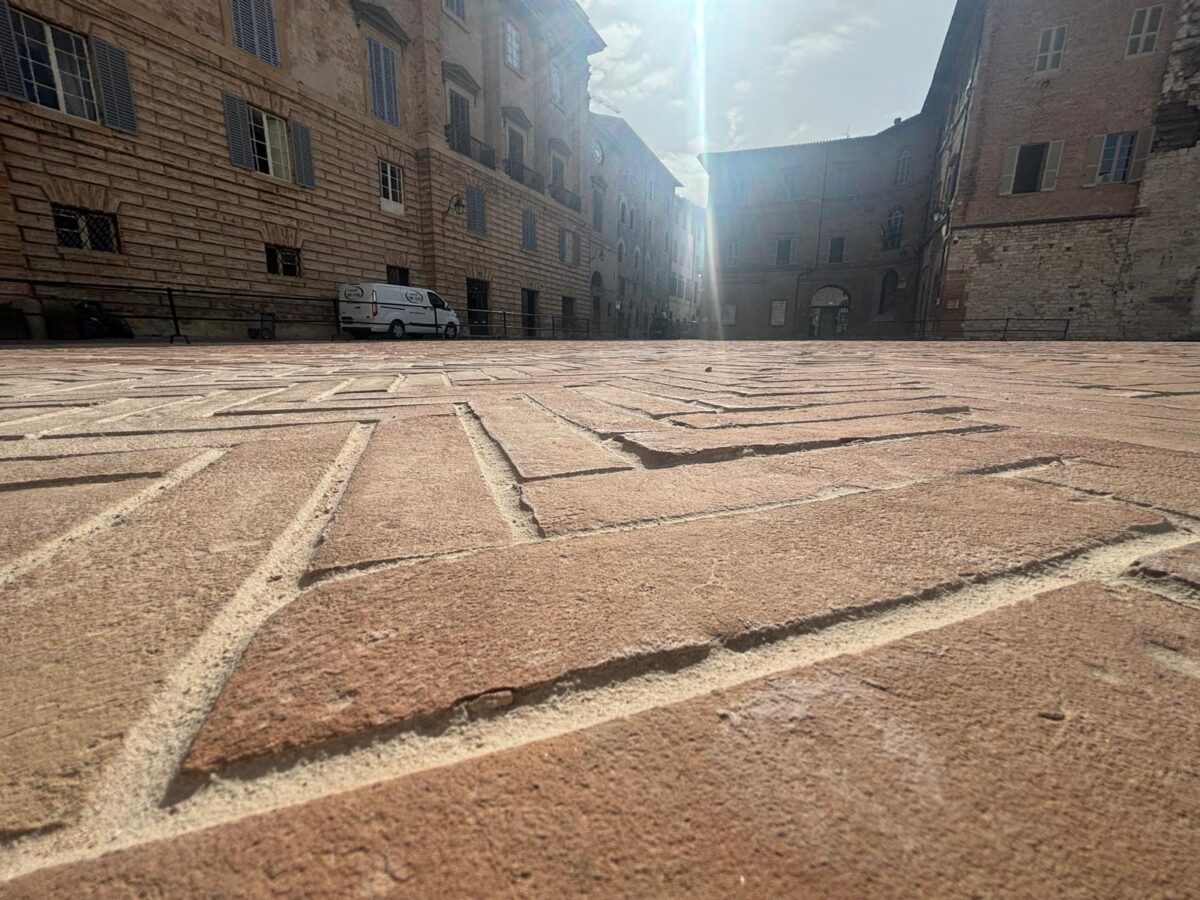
(887, 293)
(829, 312)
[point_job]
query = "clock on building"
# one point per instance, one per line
(598, 152)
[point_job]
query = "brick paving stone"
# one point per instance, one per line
(98, 466)
(835, 413)
(1047, 747)
(602, 418)
(1182, 564)
(340, 660)
(538, 446)
(561, 506)
(416, 492)
(89, 637)
(31, 517)
(690, 445)
(653, 405)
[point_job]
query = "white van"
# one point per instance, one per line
(395, 311)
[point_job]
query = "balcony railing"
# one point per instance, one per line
(524, 175)
(566, 198)
(461, 142)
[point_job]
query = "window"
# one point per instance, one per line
(903, 167)
(576, 249)
(1050, 49)
(1031, 168)
(888, 292)
(893, 229)
(457, 7)
(528, 230)
(621, 252)
(778, 313)
(269, 144)
(398, 275)
(728, 313)
(783, 252)
(1143, 33)
(476, 211)
(624, 212)
(391, 183)
(381, 65)
(558, 90)
(841, 179)
(1116, 158)
(254, 28)
(562, 244)
(731, 255)
(85, 229)
(558, 172)
(837, 250)
(55, 67)
(512, 46)
(637, 260)
(597, 211)
(283, 261)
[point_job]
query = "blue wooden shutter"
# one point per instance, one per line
(302, 158)
(476, 211)
(11, 83)
(575, 254)
(237, 129)
(242, 14)
(116, 86)
(264, 31)
(381, 62)
(562, 245)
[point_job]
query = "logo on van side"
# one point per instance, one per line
(354, 293)
(413, 297)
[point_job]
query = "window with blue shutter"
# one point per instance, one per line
(237, 131)
(575, 251)
(528, 231)
(116, 86)
(562, 245)
(254, 28)
(476, 211)
(11, 83)
(302, 158)
(381, 63)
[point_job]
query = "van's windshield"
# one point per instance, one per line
(435, 301)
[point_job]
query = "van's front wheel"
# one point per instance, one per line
(396, 331)
(450, 332)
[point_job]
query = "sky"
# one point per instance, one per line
(732, 74)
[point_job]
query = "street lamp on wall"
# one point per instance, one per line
(457, 206)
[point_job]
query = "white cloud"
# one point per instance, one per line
(688, 170)
(621, 72)
(824, 42)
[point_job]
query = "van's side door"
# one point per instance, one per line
(418, 316)
(441, 312)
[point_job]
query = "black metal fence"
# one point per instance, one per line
(1008, 329)
(71, 310)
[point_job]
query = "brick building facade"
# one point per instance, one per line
(285, 147)
(1056, 153)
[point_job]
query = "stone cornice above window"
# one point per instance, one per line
(559, 146)
(517, 116)
(380, 19)
(460, 76)
(599, 183)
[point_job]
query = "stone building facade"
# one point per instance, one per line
(635, 193)
(820, 240)
(285, 147)
(1057, 157)
(688, 254)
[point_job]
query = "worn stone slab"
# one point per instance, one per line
(92, 466)
(1181, 564)
(653, 405)
(417, 492)
(833, 413)
(410, 643)
(90, 635)
(602, 418)
(691, 445)
(589, 502)
(1044, 748)
(29, 518)
(539, 446)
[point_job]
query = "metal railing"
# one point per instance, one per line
(566, 198)
(522, 174)
(1008, 329)
(71, 310)
(462, 142)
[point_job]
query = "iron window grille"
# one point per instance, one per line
(283, 261)
(86, 229)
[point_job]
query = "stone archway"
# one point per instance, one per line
(829, 312)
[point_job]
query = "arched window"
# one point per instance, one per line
(888, 292)
(624, 212)
(621, 252)
(903, 167)
(893, 229)
(637, 259)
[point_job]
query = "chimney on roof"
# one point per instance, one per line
(897, 122)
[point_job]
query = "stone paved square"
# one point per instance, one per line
(604, 619)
